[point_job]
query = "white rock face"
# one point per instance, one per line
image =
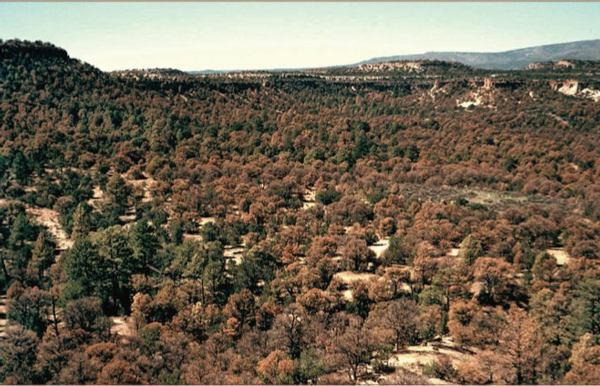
(574, 88)
(390, 66)
(565, 64)
(591, 94)
(569, 88)
(468, 104)
(561, 256)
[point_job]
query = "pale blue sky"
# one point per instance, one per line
(196, 36)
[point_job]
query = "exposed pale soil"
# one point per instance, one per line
(562, 257)
(380, 246)
(121, 326)
(50, 219)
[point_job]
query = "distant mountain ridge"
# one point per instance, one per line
(524, 58)
(507, 60)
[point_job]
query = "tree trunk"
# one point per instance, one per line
(54, 317)
(4, 270)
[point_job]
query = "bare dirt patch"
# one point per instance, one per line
(97, 197)
(206, 220)
(143, 187)
(234, 253)
(562, 257)
(414, 358)
(127, 218)
(453, 252)
(347, 295)
(349, 277)
(308, 205)
(308, 199)
(50, 219)
(120, 326)
(493, 199)
(487, 197)
(380, 246)
(189, 236)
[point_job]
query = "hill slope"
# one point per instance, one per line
(508, 60)
(423, 217)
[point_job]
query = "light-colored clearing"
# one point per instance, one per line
(145, 185)
(97, 197)
(50, 219)
(591, 94)
(98, 193)
(309, 195)
(414, 358)
(476, 288)
(234, 253)
(120, 326)
(189, 236)
(468, 104)
(308, 205)
(453, 252)
(561, 256)
(127, 218)
(380, 246)
(485, 197)
(569, 88)
(349, 277)
(347, 295)
(205, 220)
(308, 199)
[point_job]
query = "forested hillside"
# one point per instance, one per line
(396, 223)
